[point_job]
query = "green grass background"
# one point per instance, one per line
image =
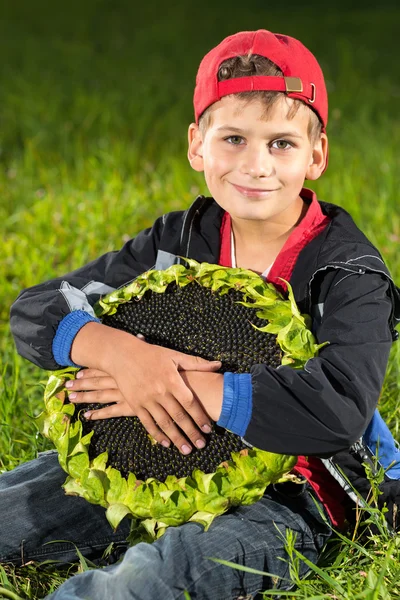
(95, 100)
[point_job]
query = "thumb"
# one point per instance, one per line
(186, 362)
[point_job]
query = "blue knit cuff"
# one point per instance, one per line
(237, 403)
(65, 335)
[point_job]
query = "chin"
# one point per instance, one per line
(252, 215)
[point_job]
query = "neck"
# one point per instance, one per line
(258, 243)
(273, 231)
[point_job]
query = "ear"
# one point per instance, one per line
(195, 150)
(318, 159)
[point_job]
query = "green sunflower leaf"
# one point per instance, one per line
(115, 513)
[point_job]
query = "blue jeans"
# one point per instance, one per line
(35, 510)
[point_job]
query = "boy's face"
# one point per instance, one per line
(255, 168)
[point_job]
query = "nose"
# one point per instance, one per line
(257, 161)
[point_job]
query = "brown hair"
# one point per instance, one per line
(254, 64)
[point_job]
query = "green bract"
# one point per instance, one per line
(153, 505)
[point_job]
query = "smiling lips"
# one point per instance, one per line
(253, 192)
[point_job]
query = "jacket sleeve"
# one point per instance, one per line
(38, 311)
(326, 406)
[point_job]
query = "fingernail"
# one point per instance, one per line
(79, 375)
(72, 396)
(69, 384)
(200, 444)
(216, 362)
(186, 449)
(206, 428)
(87, 414)
(165, 444)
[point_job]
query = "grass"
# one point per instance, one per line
(95, 99)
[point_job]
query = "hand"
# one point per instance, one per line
(208, 389)
(97, 387)
(92, 386)
(148, 377)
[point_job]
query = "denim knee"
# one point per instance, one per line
(36, 511)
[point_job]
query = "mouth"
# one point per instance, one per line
(254, 192)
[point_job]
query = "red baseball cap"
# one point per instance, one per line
(302, 76)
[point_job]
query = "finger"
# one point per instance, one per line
(178, 425)
(91, 383)
(96, 397)
(186, 362)
(91, 373)
(192, 407)
(109, 412)
(151, 427)
(164, 422)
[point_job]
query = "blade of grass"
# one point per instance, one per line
(323, 574)
(8, 594)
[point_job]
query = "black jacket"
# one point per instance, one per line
(339, 278)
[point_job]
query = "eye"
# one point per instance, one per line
(235, 140)
(281, 145)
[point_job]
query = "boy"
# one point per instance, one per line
(261, 112)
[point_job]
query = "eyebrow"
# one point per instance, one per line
(292, 134)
